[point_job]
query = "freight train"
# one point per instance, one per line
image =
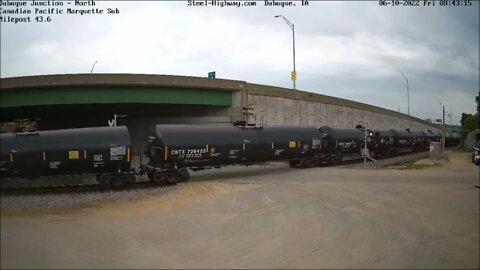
(172, 149)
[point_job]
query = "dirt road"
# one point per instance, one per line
(266, 217)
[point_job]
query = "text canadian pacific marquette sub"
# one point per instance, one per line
(54, 7)
(90, 11)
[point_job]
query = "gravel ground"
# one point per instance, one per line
(395, 160)
(61, 200)
(265, 217)
(51, 201)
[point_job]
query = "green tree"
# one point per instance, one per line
(469, 122)
(477, 99)
(464, 117)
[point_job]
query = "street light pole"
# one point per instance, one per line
(292, 26)
(408, 95)
(294, 70)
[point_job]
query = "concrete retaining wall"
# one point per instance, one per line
(284, 111)
(279, 106)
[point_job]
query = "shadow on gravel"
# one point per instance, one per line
(239, 172)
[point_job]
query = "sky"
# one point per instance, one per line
(348, 49)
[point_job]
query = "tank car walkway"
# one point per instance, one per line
(266, 217)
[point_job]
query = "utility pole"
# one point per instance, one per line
(450, 115)
(444, 130)
(443, 116)
(443, 107)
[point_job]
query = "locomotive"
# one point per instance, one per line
(172, 149)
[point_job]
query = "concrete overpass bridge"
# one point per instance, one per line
(79, 100)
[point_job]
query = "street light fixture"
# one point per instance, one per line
(408, 95)
(292, 26)
(439, 102)
(91, 71)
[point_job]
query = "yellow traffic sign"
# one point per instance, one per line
(294, 75)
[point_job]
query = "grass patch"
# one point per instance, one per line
(458, 150)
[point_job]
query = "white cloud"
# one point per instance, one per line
(352, 50)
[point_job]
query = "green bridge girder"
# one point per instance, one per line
(113, 95)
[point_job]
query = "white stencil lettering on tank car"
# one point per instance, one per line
(175, 152)
(55, 164)
(344, 144)
(194, 155)
(97, 161)
(117, 152)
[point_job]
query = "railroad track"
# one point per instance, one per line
(65, 189)
(85, 188)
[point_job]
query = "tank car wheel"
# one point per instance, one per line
(104, 180)
(131, 179)
(304, 163)
(172, 178)
(308, 163)
(183, 175)
(332, 161)
(313, 163)
(150, 176)
(293, 163)
(118, 181)
(161, 178)
(339, 157)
